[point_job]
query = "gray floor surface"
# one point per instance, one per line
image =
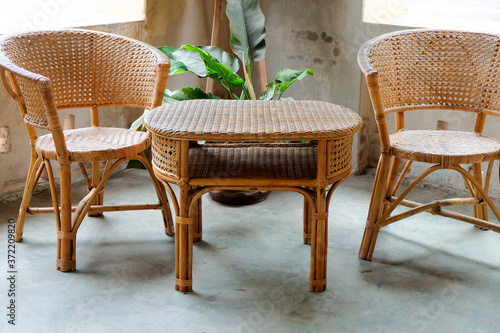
(251, 271)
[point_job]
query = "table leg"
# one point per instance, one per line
(184, 243)
(319, 243)
(308, 211)
(96, 178)
(319, 225)
(197, 223)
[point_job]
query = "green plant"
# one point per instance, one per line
(248, 44)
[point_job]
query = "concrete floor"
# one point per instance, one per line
(251, 272)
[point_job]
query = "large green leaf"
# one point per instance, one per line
(216, 70)
(176, 67)
(222, 56)
(187, 93)
(192, 61)
(282, 81)
(271, 88)
(247, 29)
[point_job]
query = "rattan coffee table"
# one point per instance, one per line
(188, 150)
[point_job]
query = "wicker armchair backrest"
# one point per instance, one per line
(435, 69)
(83, 69)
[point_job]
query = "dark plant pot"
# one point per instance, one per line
(239, 198)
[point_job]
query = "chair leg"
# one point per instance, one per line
(162, 196)
(66, 238)
(29, 188)
(481, 209)
(165, 212)
(392, 180)
(393, 176)
(96, 178)
(376, 203)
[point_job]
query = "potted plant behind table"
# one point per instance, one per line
(248, 44)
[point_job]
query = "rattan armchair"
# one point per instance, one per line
(52, 70)
(431, 70)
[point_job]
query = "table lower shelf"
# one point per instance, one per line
(253, 161)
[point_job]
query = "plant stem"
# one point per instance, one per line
(233, 95)
(248, 78)
(279, 96)
(245, 92)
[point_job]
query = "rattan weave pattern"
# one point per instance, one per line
(253, 161)
(165, 154)
(96, 144)
(435, 68)
(339, 154)
(86, 69)
(34, 103)
(252, 120)
(437, 146)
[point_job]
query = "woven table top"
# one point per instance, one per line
(231, 120)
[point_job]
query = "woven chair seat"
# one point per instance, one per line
(253, 161)
(448, 147)
(92, 144)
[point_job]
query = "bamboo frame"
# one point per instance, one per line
(470, 148)
(103, 208)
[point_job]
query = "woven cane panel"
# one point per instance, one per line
(339, 154)
(125, 72)
(165, 154)
(96, 144)
(236, 121)
(449, 147)
(253, 161)
(87, 68)
(437, 68)
(35, 110)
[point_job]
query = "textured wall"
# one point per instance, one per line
(323, 35)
